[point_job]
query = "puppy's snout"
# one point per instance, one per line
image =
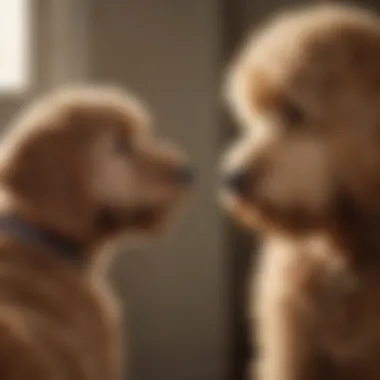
(238, 181)
(184, 175)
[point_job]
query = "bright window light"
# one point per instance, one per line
(14, 45)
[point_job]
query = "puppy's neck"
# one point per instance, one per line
(15, 211)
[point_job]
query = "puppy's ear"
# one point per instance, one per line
(248, 92)
(46, 173)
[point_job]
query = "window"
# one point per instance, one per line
(14, 45)
(43, 44)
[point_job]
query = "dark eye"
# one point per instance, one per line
(293, 114)
(122, 145)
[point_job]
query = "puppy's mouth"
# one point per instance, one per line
(264, 203)
(265, 216)
(138, 218)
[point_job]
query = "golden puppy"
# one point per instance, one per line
(77, 169)
(306, 174)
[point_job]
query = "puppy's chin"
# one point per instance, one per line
(266, 218)
(146, 220)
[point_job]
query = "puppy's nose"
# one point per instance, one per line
(238, 181)
(184, 175)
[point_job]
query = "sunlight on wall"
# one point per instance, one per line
(14, 45)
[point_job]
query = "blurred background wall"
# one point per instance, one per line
(184, 294)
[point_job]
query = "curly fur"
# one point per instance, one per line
(305, 90)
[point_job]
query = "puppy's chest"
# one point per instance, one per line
(349, 315)
(343, 306)
(96, 330)
(75, 319)
(106, 329)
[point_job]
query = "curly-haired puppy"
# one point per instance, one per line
(306, 174)
(78, 169)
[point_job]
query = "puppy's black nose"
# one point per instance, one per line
(238, 181)
(184, 175)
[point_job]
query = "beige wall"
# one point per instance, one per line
(175, 292)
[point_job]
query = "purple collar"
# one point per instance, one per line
(32, 234)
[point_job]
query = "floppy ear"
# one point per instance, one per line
(46, 172)
(247, 90)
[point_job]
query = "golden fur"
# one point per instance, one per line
(82, 163)
(305, 90)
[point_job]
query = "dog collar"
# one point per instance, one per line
(32, 234)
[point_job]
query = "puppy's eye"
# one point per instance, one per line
(122, 146)
(293, 114)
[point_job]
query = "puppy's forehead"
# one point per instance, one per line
(109, 105)
(287, 30)
(294, 46)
